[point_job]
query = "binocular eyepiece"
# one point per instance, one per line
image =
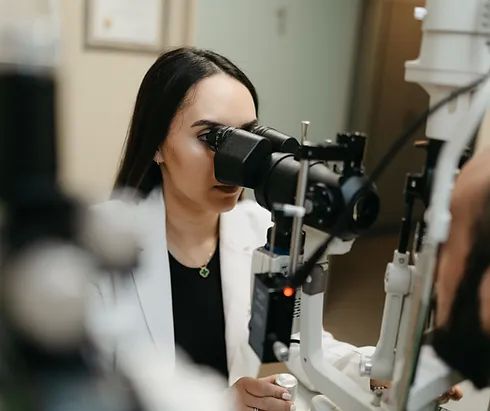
(268, 162)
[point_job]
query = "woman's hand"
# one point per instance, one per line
(261, 394)
(455, 393)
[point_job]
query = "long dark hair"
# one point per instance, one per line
(161, 94)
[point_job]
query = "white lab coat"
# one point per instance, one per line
(148, 291)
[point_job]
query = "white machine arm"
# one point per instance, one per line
(454, 53)
(327, 379)
(398, 280)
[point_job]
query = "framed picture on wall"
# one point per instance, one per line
(138, 25)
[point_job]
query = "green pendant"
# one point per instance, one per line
(204, 272)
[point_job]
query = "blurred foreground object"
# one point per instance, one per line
(51, 249)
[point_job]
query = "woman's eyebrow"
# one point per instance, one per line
(210, 123)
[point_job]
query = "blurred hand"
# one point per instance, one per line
(470, 191)
(262, 394)
(455, 393)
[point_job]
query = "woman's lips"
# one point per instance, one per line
(227, 189)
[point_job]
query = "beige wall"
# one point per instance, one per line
(300, 74)
(300, 56)
(97, 92)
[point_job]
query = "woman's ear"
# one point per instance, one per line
(158, 158)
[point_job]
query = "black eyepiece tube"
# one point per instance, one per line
(280, 141)
(246, 159)
(327, 195)
(239, 156)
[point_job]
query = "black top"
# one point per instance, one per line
(199, 320)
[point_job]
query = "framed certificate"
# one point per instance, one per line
(138, 25)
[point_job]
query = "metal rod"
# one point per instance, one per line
(273, 241)
(299, 202)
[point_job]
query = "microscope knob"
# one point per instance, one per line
(280, 351)
(366, 366)
(289, 382)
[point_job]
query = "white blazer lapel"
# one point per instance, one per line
(152, 277)
(241, 231)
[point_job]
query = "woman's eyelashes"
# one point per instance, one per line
(203, 135)
(206, 138)
(211, 136)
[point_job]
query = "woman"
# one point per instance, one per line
(192, 287)
(193, 282)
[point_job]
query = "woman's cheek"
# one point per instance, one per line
(200, 160)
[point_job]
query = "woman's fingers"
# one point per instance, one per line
(263, 394)
(265, 387)
(455, 393)
(267, 403)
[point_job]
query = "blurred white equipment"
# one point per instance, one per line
(51, 252)
(454, 53)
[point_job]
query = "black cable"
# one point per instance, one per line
(303, 271)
